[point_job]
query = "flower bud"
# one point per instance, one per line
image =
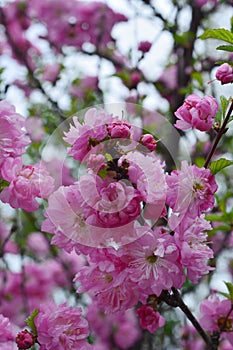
(225, 73)
(149, 142)
(25, 340)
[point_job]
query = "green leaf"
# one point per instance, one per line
(224, 103)
(103, 173)
(30, 321)
(216, 217)
(219, 164)
(108, 157)
(230, 289)
(228, 48)
(3, 184)
(200, 161)
(220, 34)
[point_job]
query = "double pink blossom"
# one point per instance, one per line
(191, 192)
(217, 315)
(13, 138)
(26, 184)
(149, 318)
(197, 112)
(61, 327)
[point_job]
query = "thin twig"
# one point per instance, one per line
(219, 135)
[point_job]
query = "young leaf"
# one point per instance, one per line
(230, 289)
(228, 48)
(219, 164)
(30, 321)
(220, 34)
(3, 184)
(224, 104)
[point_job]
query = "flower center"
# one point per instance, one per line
(152, 259)
(225, 325)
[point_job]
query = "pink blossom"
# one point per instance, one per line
(61, 327)
(74, 27)
(6, 242)
(201, 3)
(26, 183)
(38, 243)
(191, 191)
(95, 163)
(25, 340)
(153, 262)
(6, 331)
(110, 284)
(13, 139)
(114, 204)
(122, 326)
(50, 72)
(35, 128)
(149, 142)
(119, 129)
(224, 73)
(71, 218)
(197, 112)
(213, 313)
(83, 137)
(190, 339)
(146, 173)
(192, 241)
(150, 319)
(144, 46)
(84, 86)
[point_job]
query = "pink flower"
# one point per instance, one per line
(191, 191)
(38, 244)
(6, 242)
(201, 3)
(224, 73)
(146, 173)
(213, 313)
(109, 283)
(84, 137)
(6, 331)
(153, 262)
(13, 139)
(114, 204)
(150, 319)
(144, 46)
(122, 326)
(25, 340)
(50, 72)
(35, 128)
(197, 112)
(61, 327)
(26, 183)
(149, 142)
(84, 86)
(119, 129)
(194, 248)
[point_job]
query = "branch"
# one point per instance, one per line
(22, 57)
(175, 300)
(219, 135)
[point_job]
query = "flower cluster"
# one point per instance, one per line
(74, 27)
(106, 213)
(13, 138)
